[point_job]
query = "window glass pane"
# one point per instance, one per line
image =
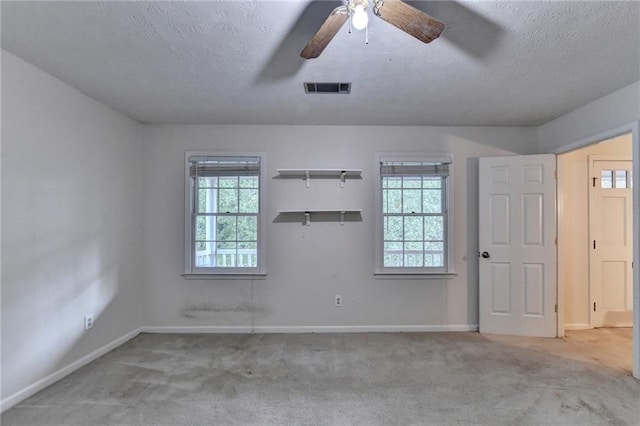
(393, 246)
(432, 200)
(205, 226)
(247, 255)
(432, 183)
(385, 195)
(228, 182)
(412, 182)
(392, 255)
(226, 229)
(203, 246)
(392, 261)
(434, 254)
(434, 228)
(413, 228)
(606, 180)
(433, 246)
(226, 255)
(391, 201)
(228, 201)
(223, 246)
(393, 228)
(249, 182)
(412, 201)
(392, 182)
(621, 178)
(413, 258)
(207, 200)
(207, 182)
(247, 228)
(413, 246)
(249, 201)
(205, 253)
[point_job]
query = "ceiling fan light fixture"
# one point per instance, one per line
(360, 18)
(401, 15)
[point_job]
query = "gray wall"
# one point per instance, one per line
(307, 266)
(607, 113)
(70, 225)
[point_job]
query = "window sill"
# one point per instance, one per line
(414, 275)
(239, 276)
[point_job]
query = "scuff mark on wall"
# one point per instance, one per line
(213, 311)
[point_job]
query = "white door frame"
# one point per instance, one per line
(635, 137)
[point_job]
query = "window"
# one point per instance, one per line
(618, 179)
(223, 225)
(414, 231)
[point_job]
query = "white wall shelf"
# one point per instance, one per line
(307, 213)
(307, 174)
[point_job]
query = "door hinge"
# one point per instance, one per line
(594, 244)
(555, 174)
(555, 240)
(594, 306)
(556, 308)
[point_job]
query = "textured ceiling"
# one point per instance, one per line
(236, 62)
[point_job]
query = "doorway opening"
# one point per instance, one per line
(577, 228)
(595, 227)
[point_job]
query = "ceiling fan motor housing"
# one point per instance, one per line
(401, 15)
(354, 3)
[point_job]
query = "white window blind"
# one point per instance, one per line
(212, 166)
(414, 169)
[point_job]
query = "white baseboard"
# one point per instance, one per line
(241, 329)
(30, 390)
(577, 326)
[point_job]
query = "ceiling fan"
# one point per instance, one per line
(412, 21)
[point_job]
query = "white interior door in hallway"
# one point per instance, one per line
(611, 240)
(517, 200)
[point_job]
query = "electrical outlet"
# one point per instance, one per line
(338, 300)
(88, 322)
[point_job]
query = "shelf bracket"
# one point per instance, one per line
(306, 177)
(307, 218)
(342, 217)
(343, 176)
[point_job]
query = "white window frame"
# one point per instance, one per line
(190, 270)
(448, 270)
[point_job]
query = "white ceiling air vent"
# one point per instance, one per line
(340, 88)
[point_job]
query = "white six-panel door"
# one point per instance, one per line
(517, 200)
(611, 242)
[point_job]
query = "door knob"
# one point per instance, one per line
(486, 254)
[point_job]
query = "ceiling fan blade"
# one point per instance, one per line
(412, 21)
(329, 28)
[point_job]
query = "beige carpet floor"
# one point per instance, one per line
(348, 379)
